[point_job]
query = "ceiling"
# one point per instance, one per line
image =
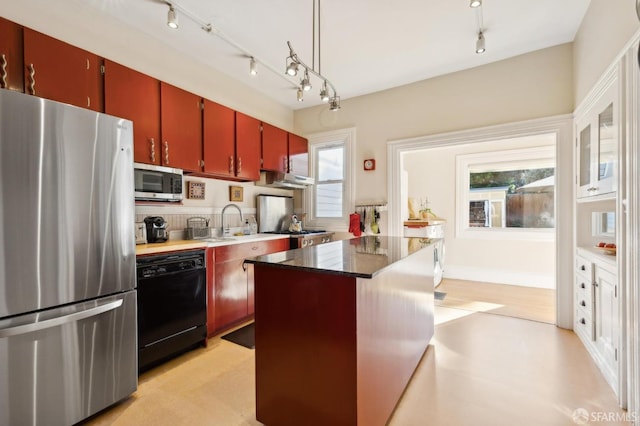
(366, 45)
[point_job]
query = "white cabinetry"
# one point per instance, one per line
(597, 318)
(597, 133)
(598, 278)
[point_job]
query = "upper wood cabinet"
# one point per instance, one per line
(11, 56)
(181, 118)
(274, 149)
(248, 138)
(135, 96)
(61, 72)
(298, 155)
(219, 141)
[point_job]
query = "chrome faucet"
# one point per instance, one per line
(226, 231)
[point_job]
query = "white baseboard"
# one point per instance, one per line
(499, 276)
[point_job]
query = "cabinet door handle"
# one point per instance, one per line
(583, 268)
(239, 165)
(32, 79)
(290, 165)
(3, 73)
(166, 152)
(582, 285)
(582, 321)
(583, 303)
(284, 165)
(152, 146)
(231, 172)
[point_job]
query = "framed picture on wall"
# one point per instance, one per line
(235, 193)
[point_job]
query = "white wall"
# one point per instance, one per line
(534, 85)
(605, 29)
(433, 174)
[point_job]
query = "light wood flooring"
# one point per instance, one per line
(537, 304)
(480, 369)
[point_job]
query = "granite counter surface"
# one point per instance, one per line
(362, 257)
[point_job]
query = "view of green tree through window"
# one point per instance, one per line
(518, 198)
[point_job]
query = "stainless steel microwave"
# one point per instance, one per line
(157, 183)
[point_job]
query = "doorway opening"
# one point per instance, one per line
(537, 257)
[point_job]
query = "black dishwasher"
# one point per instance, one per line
(172, 305)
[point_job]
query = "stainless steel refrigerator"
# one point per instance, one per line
(67, 261)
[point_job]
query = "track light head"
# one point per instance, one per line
(305, 83)
(300, 94)
(324, 94)
(475, 3)
(292, 68)
(334, 103)
(253, 70)
(172, 18)
(480, 48)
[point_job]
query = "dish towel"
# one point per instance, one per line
(354, 224)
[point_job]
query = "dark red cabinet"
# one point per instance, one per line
(135, 96)
(298, 155)
(248, 138)
(219, 140)
(61, 72)
(274, 149)
(181, 118)
(233, 282)
(11, 56)
(211, 291)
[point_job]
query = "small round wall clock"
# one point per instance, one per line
(370, 164)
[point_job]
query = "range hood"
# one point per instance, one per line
(284, 180)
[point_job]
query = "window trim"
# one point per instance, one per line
(506, 159)
(347, 138)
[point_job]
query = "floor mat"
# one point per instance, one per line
(439, 295)
(244, 336)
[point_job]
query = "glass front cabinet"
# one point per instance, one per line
(597, 133)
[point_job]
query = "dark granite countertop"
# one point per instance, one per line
(362, 257)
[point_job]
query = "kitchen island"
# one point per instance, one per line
(340, 328)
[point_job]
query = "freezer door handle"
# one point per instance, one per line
(54, 322)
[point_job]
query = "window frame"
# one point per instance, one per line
(317, 141)
(507, 159)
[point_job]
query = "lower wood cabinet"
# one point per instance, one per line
(230, 285)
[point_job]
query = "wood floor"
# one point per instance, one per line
(480, 369)
(537, 304)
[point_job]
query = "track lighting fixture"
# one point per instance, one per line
(334, 103)
(292, 68)
(294, 64)
(172, 18)
(480, 43)
(475, 3)
(324, 93)
(305, 83)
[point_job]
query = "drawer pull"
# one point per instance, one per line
(583, 303)
(3, 74)
(583, 268)
(582, 321)
(582, 285)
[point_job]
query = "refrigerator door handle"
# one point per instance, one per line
(54, 322)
